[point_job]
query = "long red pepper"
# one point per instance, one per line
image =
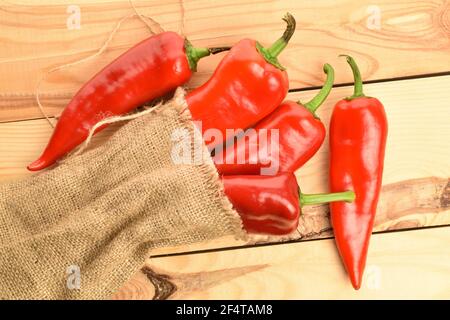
(248, 84)
(149, 70)
(272, 204)
(358, 132)
(300, 135)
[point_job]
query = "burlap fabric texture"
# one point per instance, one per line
(101, 212)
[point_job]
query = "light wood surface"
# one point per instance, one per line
(401, 265)
(416, 186)
(412, 38)
(404, 205)
(418, 144)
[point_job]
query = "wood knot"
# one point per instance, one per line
(445, 197)
(164, 288)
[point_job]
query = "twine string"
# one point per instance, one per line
(183, 17)
(154, 25)
(110, 120)
(178, 98)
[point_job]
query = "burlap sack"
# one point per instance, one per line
(101, 212)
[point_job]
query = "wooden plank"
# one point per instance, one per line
(35, 38)
(403, 205)
(416, 186)
(418, 144)
(22, 141)
(400, 265)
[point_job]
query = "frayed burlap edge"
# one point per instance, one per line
(207, 166)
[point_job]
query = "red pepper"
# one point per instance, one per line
(149, 70)
(272, 204)
(248, 84)
(358, 131)
(300, 135)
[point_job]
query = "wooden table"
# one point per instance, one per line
(403, 49)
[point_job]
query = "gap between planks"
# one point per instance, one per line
(293, 241)
(417, 157)
(63, 99)
(396, 268)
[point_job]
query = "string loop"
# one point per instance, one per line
(154, 28)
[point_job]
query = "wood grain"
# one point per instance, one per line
(413, 38)
(416, 189)
(406, 204)
(400, 265)
(418, 144)
(410, 204)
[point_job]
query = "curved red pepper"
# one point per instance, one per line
(358, 132)
(272, 204)
(300, 135)
(248, 84)
(149, 70)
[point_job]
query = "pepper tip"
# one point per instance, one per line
(37, 165)
(356, 280)
(356, 286)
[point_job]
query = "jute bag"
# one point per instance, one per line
(101, 212)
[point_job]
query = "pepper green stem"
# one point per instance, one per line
(317, 101)
(319, 198)
(271, 53)
(194, 54)
(358, 88)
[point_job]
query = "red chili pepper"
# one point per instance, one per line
(358, 131)
(272, 204)
(149, 70)
(248, 84)
(300, 135)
